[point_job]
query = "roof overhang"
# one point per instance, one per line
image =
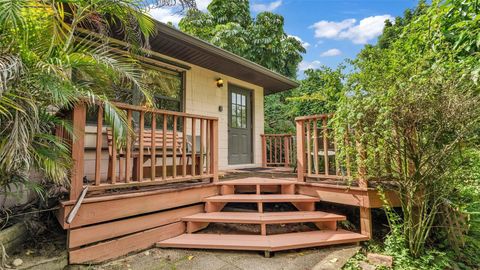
(176, 44)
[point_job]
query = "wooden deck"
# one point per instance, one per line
(149, 191)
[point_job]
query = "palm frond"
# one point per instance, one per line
(11, 68)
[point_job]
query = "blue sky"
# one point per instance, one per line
(331, 30)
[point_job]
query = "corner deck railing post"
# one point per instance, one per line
(77, 148)
(214, 151)
(264, 151)
(300, 151)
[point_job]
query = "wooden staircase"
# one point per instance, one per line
(327, 233)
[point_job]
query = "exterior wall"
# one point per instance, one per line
(204, 97)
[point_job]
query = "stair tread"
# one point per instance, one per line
(259, 242)
(262, 198)
(268, 217)
(256, 181)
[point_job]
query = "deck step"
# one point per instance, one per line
(264, 218)
(263, 243)
(265, 198)
(253, 181)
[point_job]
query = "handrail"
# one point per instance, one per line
(145, 159)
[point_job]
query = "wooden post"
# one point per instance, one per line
(214, 151)
(300, 149)
(264, 151)
(78, 149)
(366, 221)
(98, 146)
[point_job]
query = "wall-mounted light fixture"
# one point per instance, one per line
(219, 82)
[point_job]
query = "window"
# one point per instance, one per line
(239, 110)
(165, 87)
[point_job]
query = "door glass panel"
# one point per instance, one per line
(239, 111)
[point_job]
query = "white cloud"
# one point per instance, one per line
(331, 52)
(361, 33)
(172, 14)
(304, 43)
(304, 65)
(266, 7)
(203, 4)
(166, 15)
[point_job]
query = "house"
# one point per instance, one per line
(161, 185)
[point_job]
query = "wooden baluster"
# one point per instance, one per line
(315, 146)
(309, 156)
(184, 147)
(113, 169)
(275, 150)
(194, 145)
(347, 154)
(286, 148)
(362, 156)
(78, 150)
(164, 147)
(209, 135)
(174, 155)
(337, 162)
(128, 154)
(325, 145)
(141, 138)
(264, 151)
(202, 138)
(121, 169)
(98, 147)
(300, 130)
(153, 154)
(271, 149)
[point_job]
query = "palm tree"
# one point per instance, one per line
(49, 61)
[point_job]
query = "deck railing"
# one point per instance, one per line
(278, 150)
(160, 147)
(318, 151)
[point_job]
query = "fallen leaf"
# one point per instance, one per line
(190, 258)
(334, 260)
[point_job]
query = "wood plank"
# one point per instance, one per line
(214, 157)
(194, 146)
(104, 231)
(122, 246)
(261, 198)
(335, 194)
(93, 212)
(315, 146)
(261, 242)
(256, 181)
(264, 218)
(366, 221)
(202, 138)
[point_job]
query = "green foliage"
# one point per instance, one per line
(228, 24)
(47, 65)
(414, 102)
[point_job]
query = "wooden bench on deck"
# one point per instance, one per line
(180, 145)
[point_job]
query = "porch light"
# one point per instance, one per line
(219, 82)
